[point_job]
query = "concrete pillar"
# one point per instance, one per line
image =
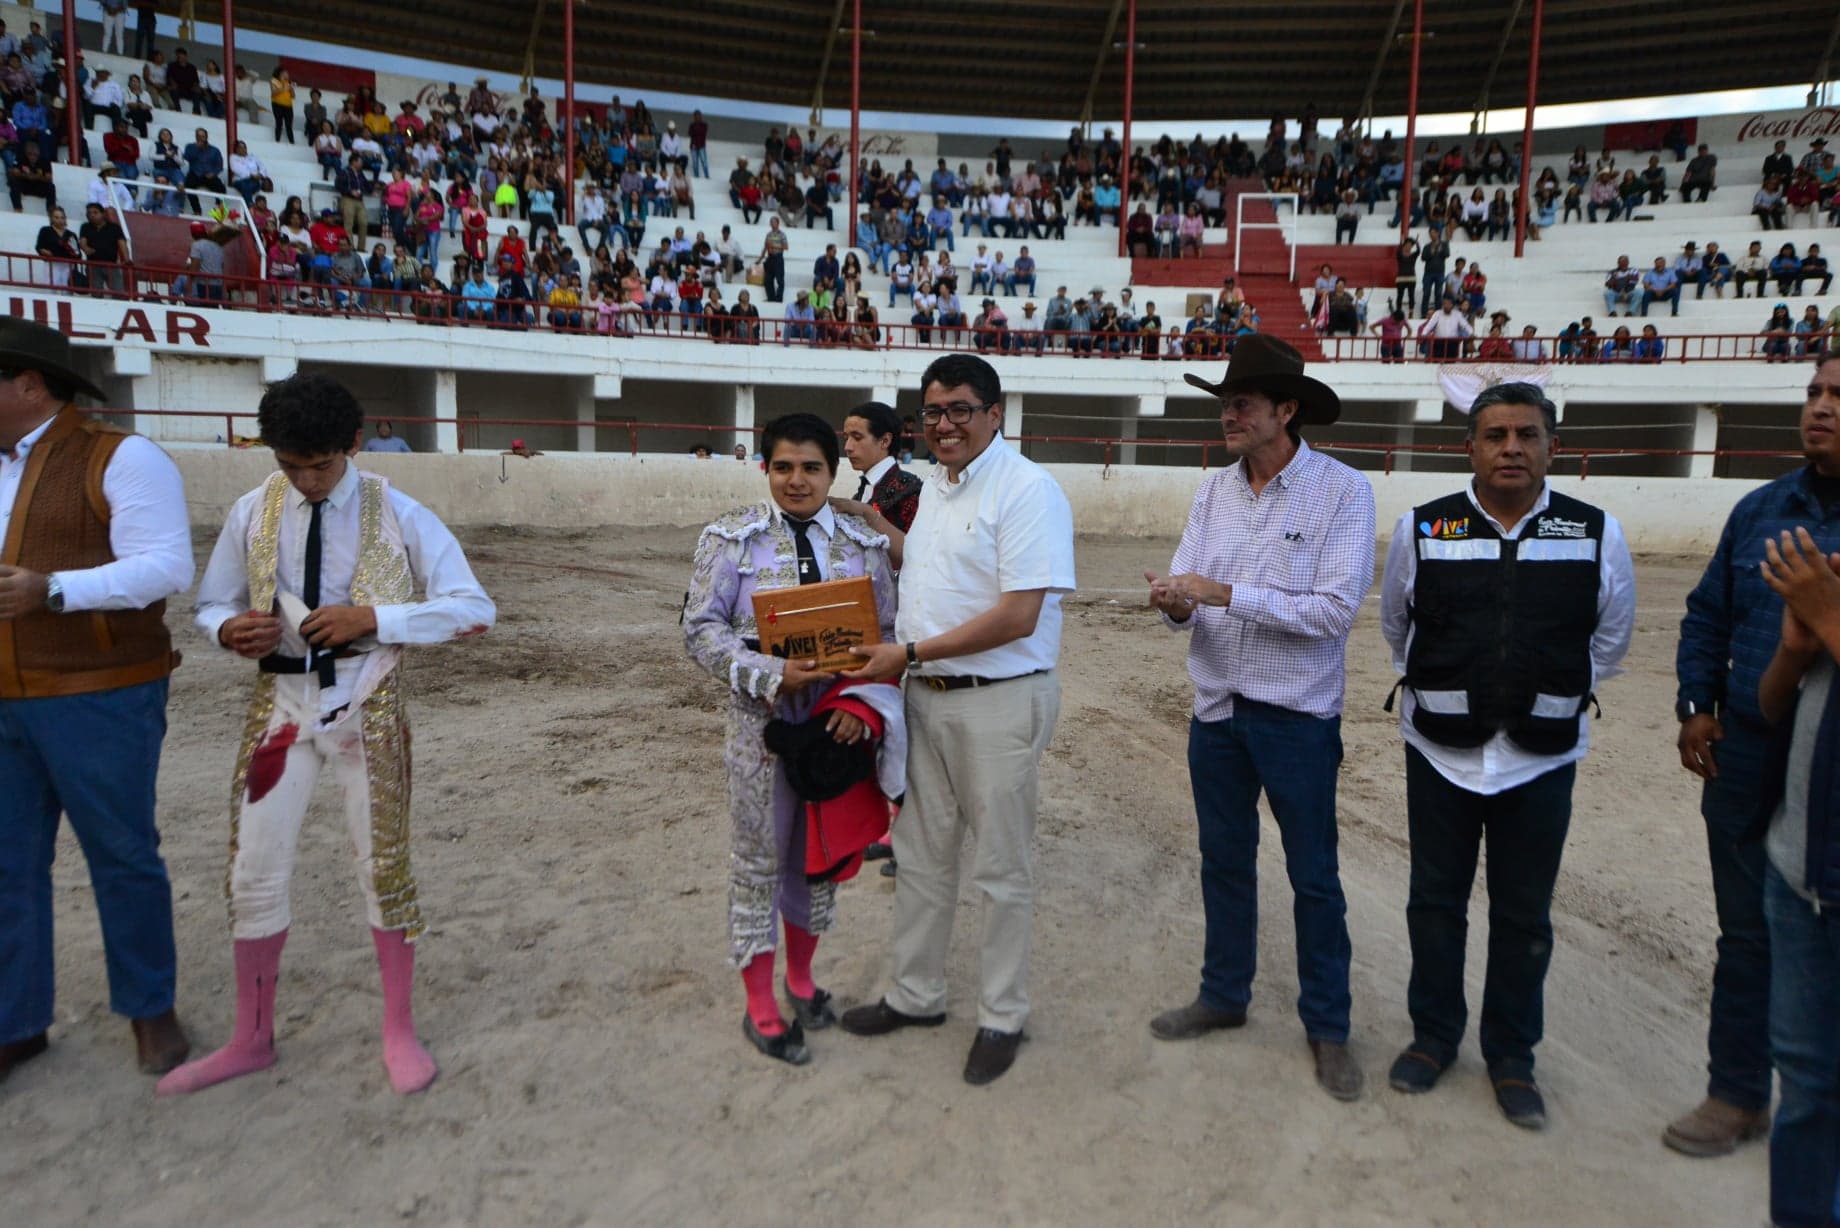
(744, 418)
(1012, 418)
(276, 369)
(603, 388)
(1127, 451)
(1403, 461)
(886, 394)
(134, 365)
(1428, 410)
(1705, 439)
(581, 391)
(444, 403)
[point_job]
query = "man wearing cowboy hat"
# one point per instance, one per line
(1274, 562)
(96, 539)
(1506, 605)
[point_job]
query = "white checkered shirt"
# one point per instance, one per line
(1300, 558)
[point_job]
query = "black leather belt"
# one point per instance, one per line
(275, 663)
(959, 682)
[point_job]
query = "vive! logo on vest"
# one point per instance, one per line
(1558, 526)
(1445, 528)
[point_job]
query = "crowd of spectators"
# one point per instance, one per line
(474, 157)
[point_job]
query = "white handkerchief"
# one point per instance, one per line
(294, 611)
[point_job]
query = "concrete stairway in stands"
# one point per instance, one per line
(1264, 271)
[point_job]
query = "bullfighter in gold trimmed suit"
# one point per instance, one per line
(314, 578)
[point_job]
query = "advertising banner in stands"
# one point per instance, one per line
(393, 90)
(333, 80)
(891, 147)
(1645, 134)
(1763, 129)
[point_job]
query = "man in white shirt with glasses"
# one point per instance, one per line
(983, 570)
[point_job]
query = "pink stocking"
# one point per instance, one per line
(801, 944)
(762, 1008)
(411, 1068)
(252, 1043)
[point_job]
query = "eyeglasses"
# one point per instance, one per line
(957, 415)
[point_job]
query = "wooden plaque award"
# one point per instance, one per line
(820, 622)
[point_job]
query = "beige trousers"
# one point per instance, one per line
(973, 764)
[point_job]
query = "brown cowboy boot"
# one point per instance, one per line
(160, 1042)
(1715, 1128)
(16, 1053)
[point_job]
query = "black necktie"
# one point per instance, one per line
(318, 660)
(862, 484)
(808, 559)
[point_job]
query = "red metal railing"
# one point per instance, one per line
(306, 297)
(1388, 452)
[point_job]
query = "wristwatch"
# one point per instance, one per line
(913, 652)
(54, 595)
(1686, 709)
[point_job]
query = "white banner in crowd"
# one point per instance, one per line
(1463, 382)
(1765, 128)
(891, 148)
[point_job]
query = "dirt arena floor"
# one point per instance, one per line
(571, 851)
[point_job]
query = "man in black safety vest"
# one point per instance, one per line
(1506, 605)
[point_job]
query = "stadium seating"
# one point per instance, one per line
(1559, 280)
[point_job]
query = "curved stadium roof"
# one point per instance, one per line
(1060, 59)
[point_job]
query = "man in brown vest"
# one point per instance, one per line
(95, 539)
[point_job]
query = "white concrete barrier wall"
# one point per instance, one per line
(1660, 515)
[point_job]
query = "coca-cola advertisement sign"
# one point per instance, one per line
(1791, 126)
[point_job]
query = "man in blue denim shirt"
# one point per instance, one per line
(1727, 639)
(1801, 890)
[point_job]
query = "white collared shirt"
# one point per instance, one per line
(878, 471)
(453, 604)
(1003, 527)
(106, 93)
(822, 528)
(1498, 764)
(149, 532)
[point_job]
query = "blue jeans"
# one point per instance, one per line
(1738, 1035)
(699, 162)
(94, 757)
(1805, 1041)
(943, 232)
(1525, 829)
(1294, 758)
(1671, 298)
